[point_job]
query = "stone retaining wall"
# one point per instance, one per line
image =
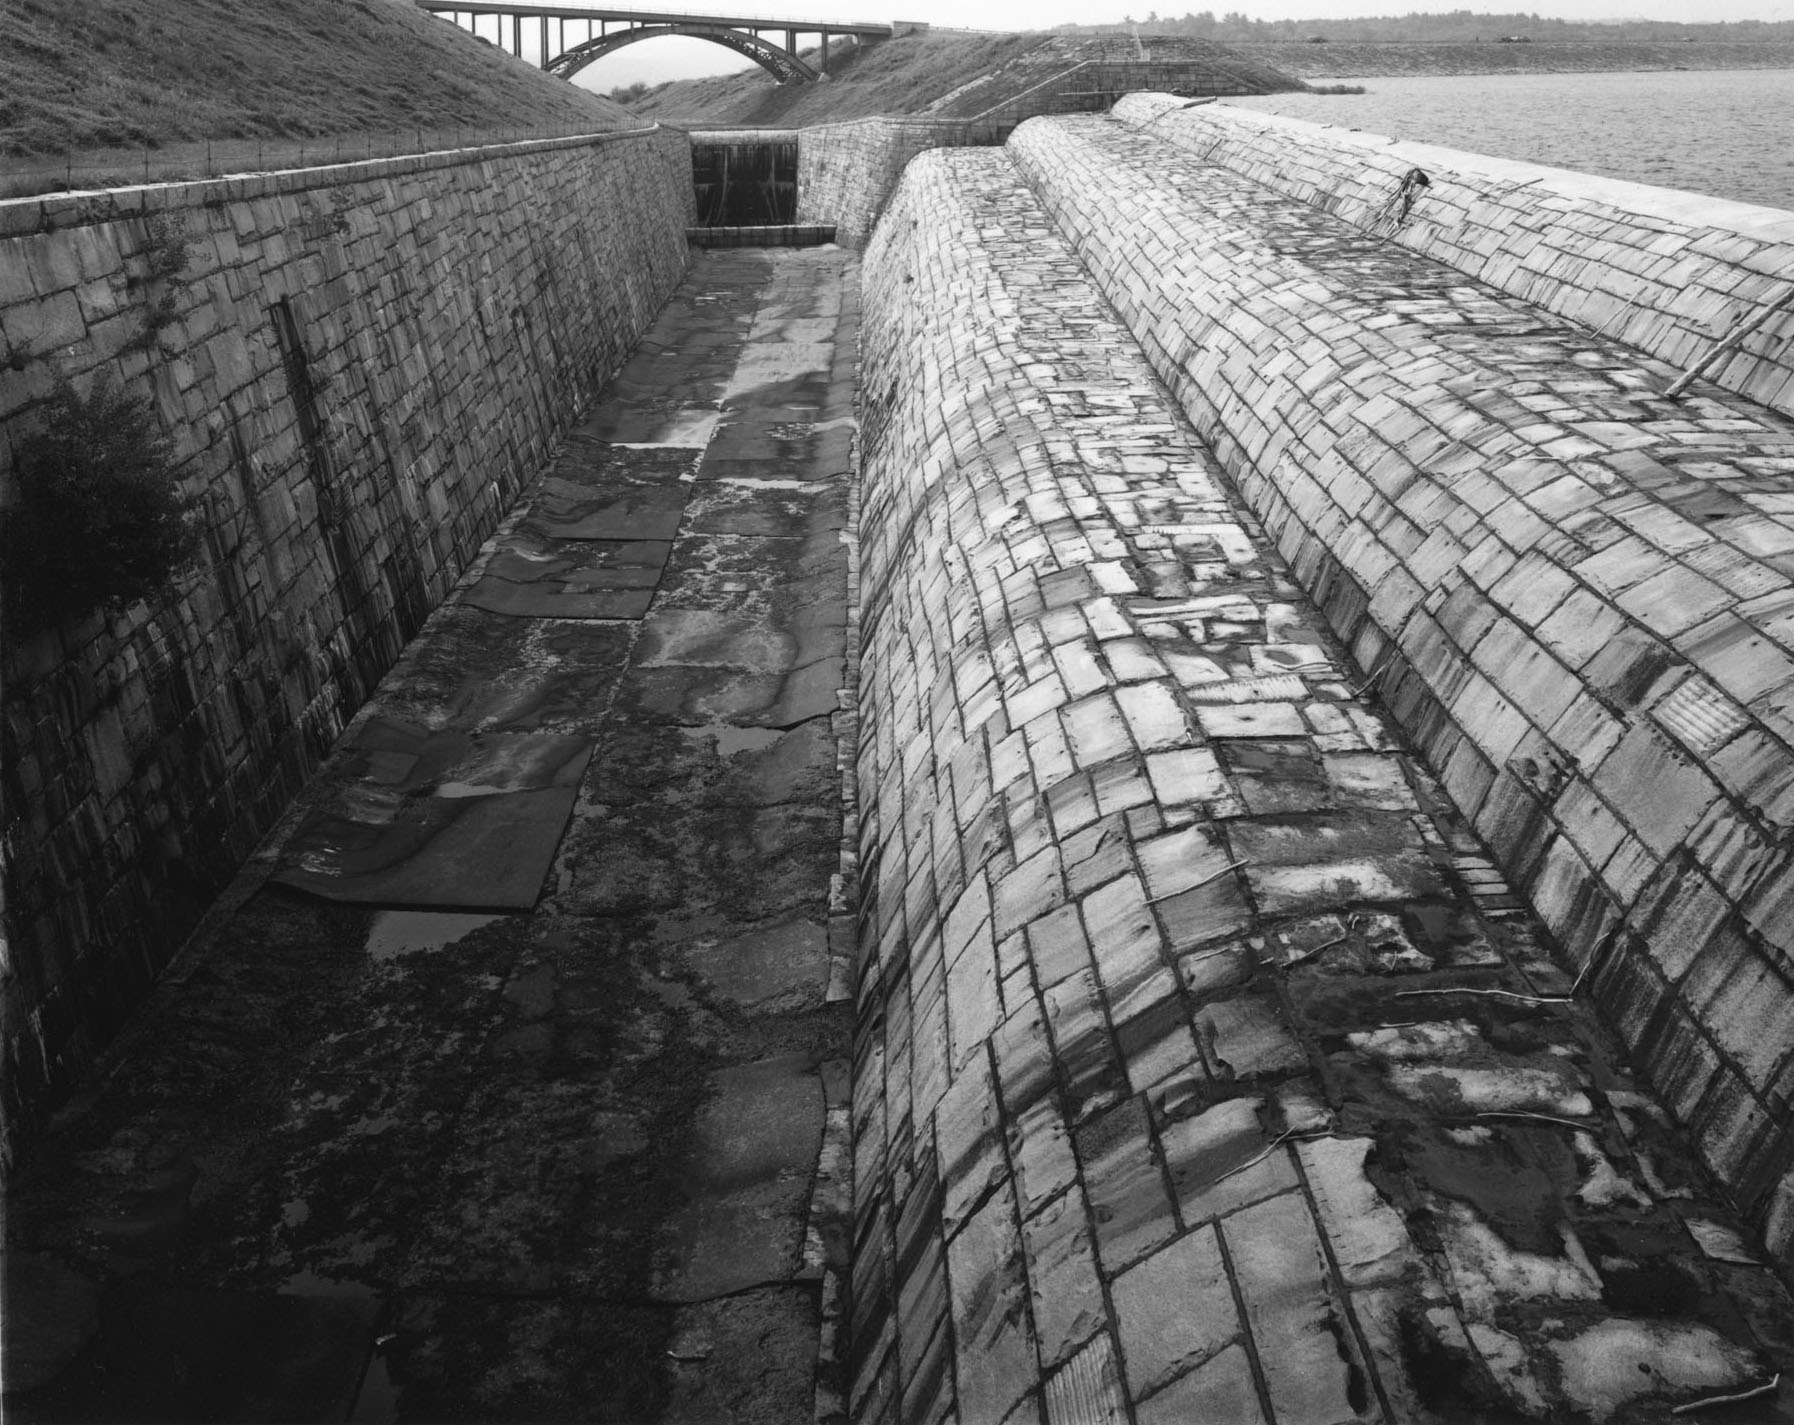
(359, 366)
(847, 172)
(1577, 597)
(1667, 272)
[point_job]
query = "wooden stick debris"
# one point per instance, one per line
(1710, 1401)
(1501, 994)
(1197, 885)
(1730, 343)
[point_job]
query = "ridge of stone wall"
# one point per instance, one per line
(1201, 1053)
(847, 172)
(1577, 597)
(1667, 272)
(359, 366)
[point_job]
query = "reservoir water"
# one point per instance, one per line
(1722, 132)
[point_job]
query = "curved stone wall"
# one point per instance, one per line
(1206, 1069)
(846, 172)
(1667, 272)
(1574, 594)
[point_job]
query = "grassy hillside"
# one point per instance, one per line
(108, 74)
(946, 73)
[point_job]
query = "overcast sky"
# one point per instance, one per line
(655, 60)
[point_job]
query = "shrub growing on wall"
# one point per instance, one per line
(98, 519)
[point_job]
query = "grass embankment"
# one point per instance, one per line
(1418, 57)
(943, 73)
(895, 76)
(80, 75)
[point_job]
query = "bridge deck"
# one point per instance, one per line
(655, 17)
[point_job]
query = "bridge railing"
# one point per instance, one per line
(175, 163)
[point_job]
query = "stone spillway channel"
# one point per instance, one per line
(946, 935)
(512, 1084)
(1207, 1068)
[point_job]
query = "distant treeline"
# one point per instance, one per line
(1454, 27)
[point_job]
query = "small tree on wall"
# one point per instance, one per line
(98, 520)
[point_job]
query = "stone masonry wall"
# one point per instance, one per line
(1205, 1068)
(1576, 596)
(1667, 272)
(847, 172)
(359, 366)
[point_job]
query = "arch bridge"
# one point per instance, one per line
(564, 39)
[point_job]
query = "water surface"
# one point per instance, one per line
(1721, 132)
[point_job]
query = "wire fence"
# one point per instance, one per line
(175, 163)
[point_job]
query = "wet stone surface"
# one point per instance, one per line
(545, 1122)
(1198, 1037)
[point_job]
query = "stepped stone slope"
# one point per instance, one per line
(1575, 592)
(1206, 1067)
(1667, 272)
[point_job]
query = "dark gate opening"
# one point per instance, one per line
(745, 184)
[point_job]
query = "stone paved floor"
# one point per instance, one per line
(585, 1162)
(1205, 1068)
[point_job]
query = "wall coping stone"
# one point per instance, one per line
(53, 212)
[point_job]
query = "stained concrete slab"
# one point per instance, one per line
(702, 638)
(598, 579)
(489, 672)
(411, 758)
(565, 510)
(591, 464)
(746, 1186)
(745, 1360)
(797, 765)
(438, 818)
(751, 573)
(472, 853)
(781, 444)
(702, 695)
(781, 967)
(723, 506)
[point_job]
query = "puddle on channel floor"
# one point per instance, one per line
(772, 482)
(403, 932)
(683, 430)
(730, 740)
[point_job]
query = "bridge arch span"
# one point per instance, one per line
(776, 60)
